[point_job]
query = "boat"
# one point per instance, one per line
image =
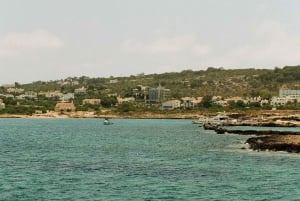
(107, 122)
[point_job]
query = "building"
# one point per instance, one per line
(81, 90)
(67, 97)
(15, 90)
(278, 101)
(171, 105)
(2, 105)
(235, 99)
(289, 92)
(51, 94)
(113, 81)
(122, 100)
(27, 95)
(285, 96)
(91, 101)
(158, 94)
(190, 102)
(31, 94)
(65, 107)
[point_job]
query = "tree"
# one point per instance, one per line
(107, 101)
(206, 101)
(126, 107)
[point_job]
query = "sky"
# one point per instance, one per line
(55, 39)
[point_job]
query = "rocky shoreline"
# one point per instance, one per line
(287, 143)
(268, 140)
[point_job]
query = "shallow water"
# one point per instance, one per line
(82, 159)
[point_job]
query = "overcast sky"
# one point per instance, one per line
(56, 39)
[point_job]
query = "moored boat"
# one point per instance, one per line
(107, 122)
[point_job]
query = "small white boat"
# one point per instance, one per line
(107, 122)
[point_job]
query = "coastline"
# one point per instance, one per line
(277, 116)
(80, 114)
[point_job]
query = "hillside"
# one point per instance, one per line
(212, 81)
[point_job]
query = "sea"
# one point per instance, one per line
(137, 159)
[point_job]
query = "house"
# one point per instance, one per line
(2, 105)
(223, 103)
(28, 95)
(81, 90)
(113, 81)
(278, 101)
(190, 102)
(31, 94)
(15, 90)
(65, 107)
(51, 94)
(122, 100)
(67, 97)
(171, 104)
(235, 99)
(91, 101)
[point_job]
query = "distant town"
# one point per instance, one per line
(167, 93)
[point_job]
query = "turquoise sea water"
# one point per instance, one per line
(82, 159)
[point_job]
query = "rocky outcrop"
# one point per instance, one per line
(254, 132)
(288, 143)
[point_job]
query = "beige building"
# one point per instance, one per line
(65, 107)
(91, 101)
(2, 105)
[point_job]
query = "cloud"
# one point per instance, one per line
(269, 44)
(13, 42)
(168, 44)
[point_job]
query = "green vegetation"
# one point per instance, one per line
(204, 83)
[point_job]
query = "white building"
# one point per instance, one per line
(113, 81)
(129, 99)
(81, 90)
(15, 90)
(67, 97)
(278, 101)
(289, 92)
(285, 96)
(170, 105)
(191, 102)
